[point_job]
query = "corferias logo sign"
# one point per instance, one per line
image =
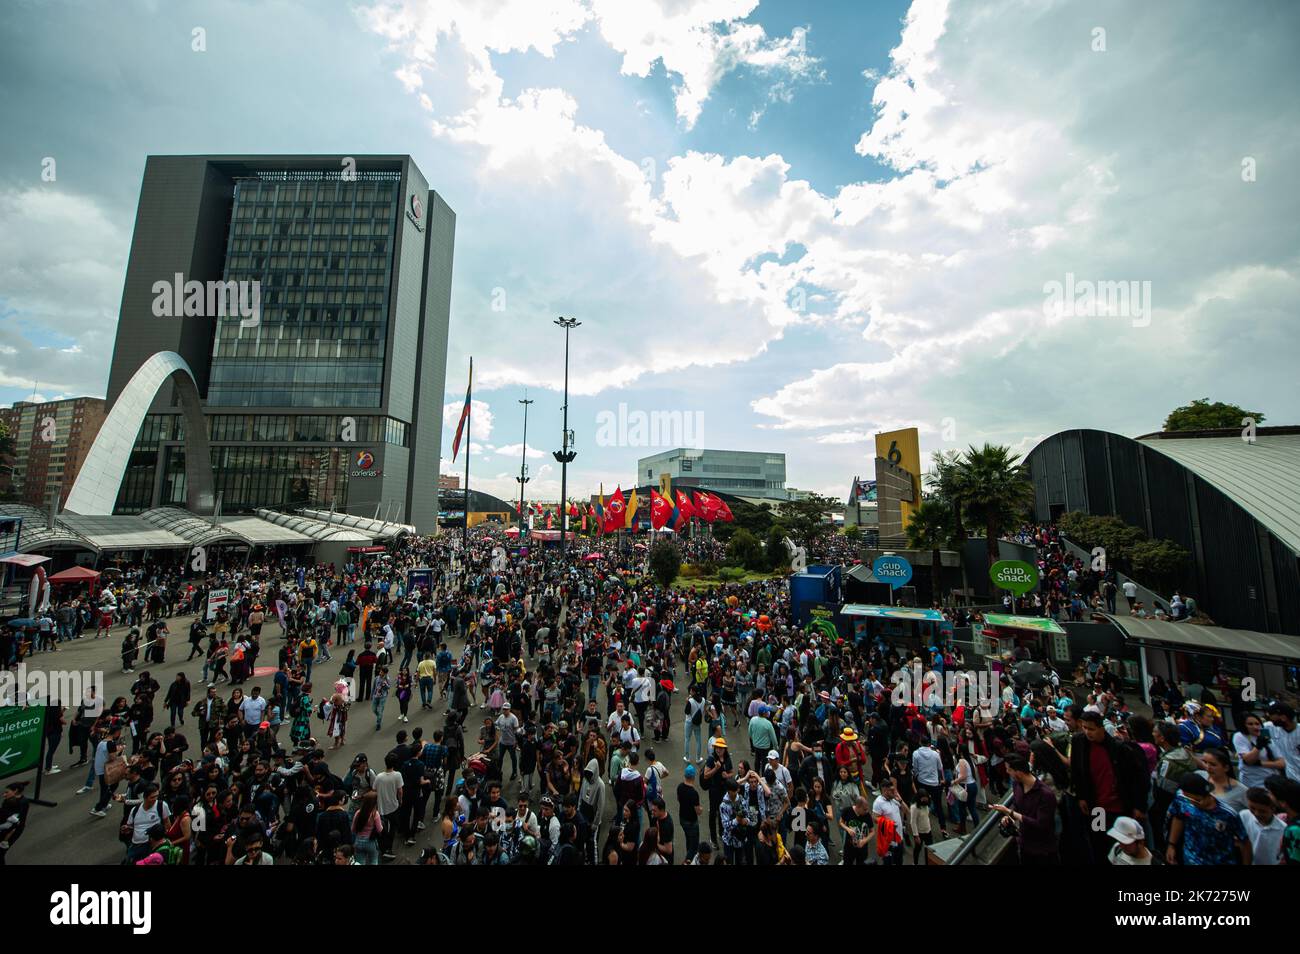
(415, 212)
(364, 466)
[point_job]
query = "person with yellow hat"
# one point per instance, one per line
(850, 753)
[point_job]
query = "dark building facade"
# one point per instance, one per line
(1231, 504)
(332, 395)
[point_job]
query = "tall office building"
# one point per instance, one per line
(754, 475)
(51, 440)
(332, 395)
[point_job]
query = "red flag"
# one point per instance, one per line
(550, 517)
(464, 412)
(724, 512)
(615, 511)
(685, 506)
(573, 509)
(584, 523)
(706, 506)
(661, 510)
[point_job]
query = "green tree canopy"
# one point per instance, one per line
(1201, 415)
(665, 561)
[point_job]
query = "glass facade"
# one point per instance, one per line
(322, 249)
(289, 475)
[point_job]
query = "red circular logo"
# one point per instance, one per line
(365, 460)
(417, 207)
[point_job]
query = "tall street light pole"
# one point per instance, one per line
(565, 455)
(523, 469)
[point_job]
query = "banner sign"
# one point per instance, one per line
(894, 570)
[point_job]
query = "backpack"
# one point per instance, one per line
(171, 854)
(697, 718)
(652, 784)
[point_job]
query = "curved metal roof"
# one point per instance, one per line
(316, 529)
(383, 529)
(35, 535)
(194, 530)
(1263, 477)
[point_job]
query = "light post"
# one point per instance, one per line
(523, 477)
(565, 455)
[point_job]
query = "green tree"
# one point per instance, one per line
(1159, 563)
(756, 518)
(996, 492)
(745, 550)
(931, 529)
(665, 562)
(807, 518)
(775, 553)
(946, 480)
(1201, 415)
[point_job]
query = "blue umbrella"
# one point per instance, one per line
(23, 622)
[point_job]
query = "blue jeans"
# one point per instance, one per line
(693, 731)
(366, 850)
(378, 703)
(426, 690)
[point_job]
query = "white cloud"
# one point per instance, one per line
(512, 450)
(700, 41)
(61, 265)
(480, 423)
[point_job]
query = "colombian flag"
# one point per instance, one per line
(631, 510)
(464, 412)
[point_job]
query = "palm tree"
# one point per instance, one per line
(946, 479)
(995, 490)
(931, 529)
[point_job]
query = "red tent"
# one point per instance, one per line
(75, 574)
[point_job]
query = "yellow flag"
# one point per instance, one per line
(631, 510)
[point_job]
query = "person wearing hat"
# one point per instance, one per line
(1202, 830)
(717, 772)
(850, 754)
(1130, 846)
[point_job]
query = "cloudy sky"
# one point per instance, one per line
(802, 222)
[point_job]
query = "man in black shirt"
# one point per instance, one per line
(689, 810)
(717, 772)
(663, 825)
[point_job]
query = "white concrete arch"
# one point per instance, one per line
(100, 479)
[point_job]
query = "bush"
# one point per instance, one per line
(745, 550)
(1161, 563)
(665, 562)
(709, 568)
(731, 574)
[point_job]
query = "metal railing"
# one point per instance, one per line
(972, 841)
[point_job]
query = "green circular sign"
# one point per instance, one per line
(1015, 575)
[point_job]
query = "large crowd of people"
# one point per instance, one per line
(547, 691)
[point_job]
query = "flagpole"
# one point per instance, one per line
(469, 424)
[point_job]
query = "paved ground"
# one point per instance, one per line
(68, 834)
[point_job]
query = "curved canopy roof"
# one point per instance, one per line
(379, 529)
(1263, 477)
(316, 529)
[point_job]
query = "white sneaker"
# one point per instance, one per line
(53, 770)
(98, 814)
(82, 791)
